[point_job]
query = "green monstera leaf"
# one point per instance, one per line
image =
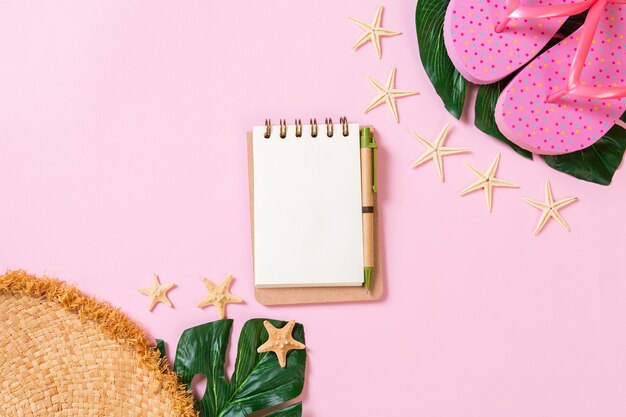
(258, 382)
(160, 346)
(448, 82)
(294, 410)
(484, 117)
(596, 163)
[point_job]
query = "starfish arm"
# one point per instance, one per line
(376, 41)
(377, 102)
(549, 197)
(473, 187)
(209, 285)
(378, 17)
(289, 327)
(226, 283)
(376, 84)
(297, 345)
(423, 141)
(545, 215)
(163, 298)
(265, 347)
(219, 306)
(233, 299)
(442, 135)
(386, 32)
(269, 327)
(146, 291)
(493, 167)
(365, 26)
(476, 172)
(439, 162)
(282, 357)
(560, 220)
(207, 301)
(560, 204)
(362, 40)
(153, 303)
(424, 158)
(392, 106)
(391, 80)
(444, 150)
(155, 280)
(489, 196)
(536, 204)
(496, 182)
(401, 93)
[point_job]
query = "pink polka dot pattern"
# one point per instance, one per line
(483, 56)
(571, 123)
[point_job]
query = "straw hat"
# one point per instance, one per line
(65, 354)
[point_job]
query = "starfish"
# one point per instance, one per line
(487, 181)
(219, 295)
(388, 94)
(550, 209)
(280, 341)
(158, 292)
(373, 32)
(436, 151)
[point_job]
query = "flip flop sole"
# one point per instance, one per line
(571, 123)
(483, 56)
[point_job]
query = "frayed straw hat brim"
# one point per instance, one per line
(63, 353)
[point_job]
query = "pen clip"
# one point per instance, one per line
(369, 141)
(374, 174)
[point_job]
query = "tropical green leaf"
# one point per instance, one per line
(294, 410)
(571, 25)
(447, 81)
(258, 382)
(598, 162)
(485, 110)
(160, 346)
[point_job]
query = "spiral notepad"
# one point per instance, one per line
(307, 205)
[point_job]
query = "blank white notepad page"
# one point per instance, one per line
(307, 208)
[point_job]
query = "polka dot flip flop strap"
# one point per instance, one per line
(490, 39)
(571, 95)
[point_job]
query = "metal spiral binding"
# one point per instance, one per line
(330, 128)
(268, 128)
(298, 128)
(344, 125)
(314, 127)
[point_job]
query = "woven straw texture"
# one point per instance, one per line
(65, 354)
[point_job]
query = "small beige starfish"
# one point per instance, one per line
(388, 94)
(487, 181)
(158, 292)
(373, 32)
(219, 295)
(280, 341)
(436, 151)
(550, 209)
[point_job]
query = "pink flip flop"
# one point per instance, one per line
(490, 39)
(571, 95)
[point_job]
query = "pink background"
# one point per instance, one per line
(122, 153)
